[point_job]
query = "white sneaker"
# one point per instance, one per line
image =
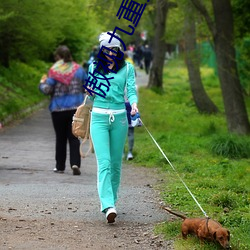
(111, 214)
(130, 156)
(58, 171)
(76, 170)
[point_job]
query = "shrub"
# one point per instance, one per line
(231, 146)
(223, 200)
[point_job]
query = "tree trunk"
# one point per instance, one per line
(159, 46)
(201, 99)
(235, 109)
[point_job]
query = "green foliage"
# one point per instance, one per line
(175, 25)
(105, 8)
(241, 17)
(243, 59)
(219, 183)
(19, 87)
(231, 146)
(41, 29)
(170, 230)
(224, 200)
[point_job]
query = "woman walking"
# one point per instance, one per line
(109, 123)
(65, 86)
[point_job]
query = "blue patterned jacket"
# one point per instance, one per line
(65, 97)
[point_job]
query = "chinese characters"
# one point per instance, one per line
(131, 11)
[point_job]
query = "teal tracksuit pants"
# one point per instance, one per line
(108, 133)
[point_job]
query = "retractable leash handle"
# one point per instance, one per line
(174, 169)
(135, 120)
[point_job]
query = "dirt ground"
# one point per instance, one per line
(40, 209)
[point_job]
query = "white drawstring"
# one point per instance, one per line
(111, 117)
(110, 112)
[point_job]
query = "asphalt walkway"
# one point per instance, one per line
(31, 190)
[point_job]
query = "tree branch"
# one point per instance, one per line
(172, 5)
(202, 9)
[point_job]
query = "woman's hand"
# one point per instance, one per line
(134, 109)
(43, 79)
(89, 92)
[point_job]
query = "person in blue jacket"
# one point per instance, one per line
(109, 124)
(64, 83)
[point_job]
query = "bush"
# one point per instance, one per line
(224, 200)
(19, 87)
(231, 146)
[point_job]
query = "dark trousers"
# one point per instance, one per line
(131, 139)
(147, 65)
(62, 122)
(130, 129)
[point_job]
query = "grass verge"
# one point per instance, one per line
(214, 164)
(19, 89)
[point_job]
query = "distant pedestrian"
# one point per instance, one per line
(130, 133)
(130, 127)
(64, 84)
(93, 55)
(147, 54)
(138, 56)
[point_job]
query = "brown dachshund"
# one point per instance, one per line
(204, 229)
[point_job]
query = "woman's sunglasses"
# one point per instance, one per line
(116, 49)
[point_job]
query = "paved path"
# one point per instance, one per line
(26, 163)
(27, 160)
(141, 78)
(31, 191)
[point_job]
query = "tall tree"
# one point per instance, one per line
(223, 38)
(159, 44)
(201, 99)
(28, 33)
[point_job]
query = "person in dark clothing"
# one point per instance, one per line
(64, 83)
(130, 133)
(138, 56)
(147, 58)
(93, 55)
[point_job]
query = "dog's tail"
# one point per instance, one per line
(175, 213)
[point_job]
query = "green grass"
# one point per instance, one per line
(214, 164)
(19, 87)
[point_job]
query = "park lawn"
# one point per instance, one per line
(193, 143)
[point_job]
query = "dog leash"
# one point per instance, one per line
(174, 170)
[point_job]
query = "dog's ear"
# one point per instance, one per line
(214, 235)
(228, 237)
